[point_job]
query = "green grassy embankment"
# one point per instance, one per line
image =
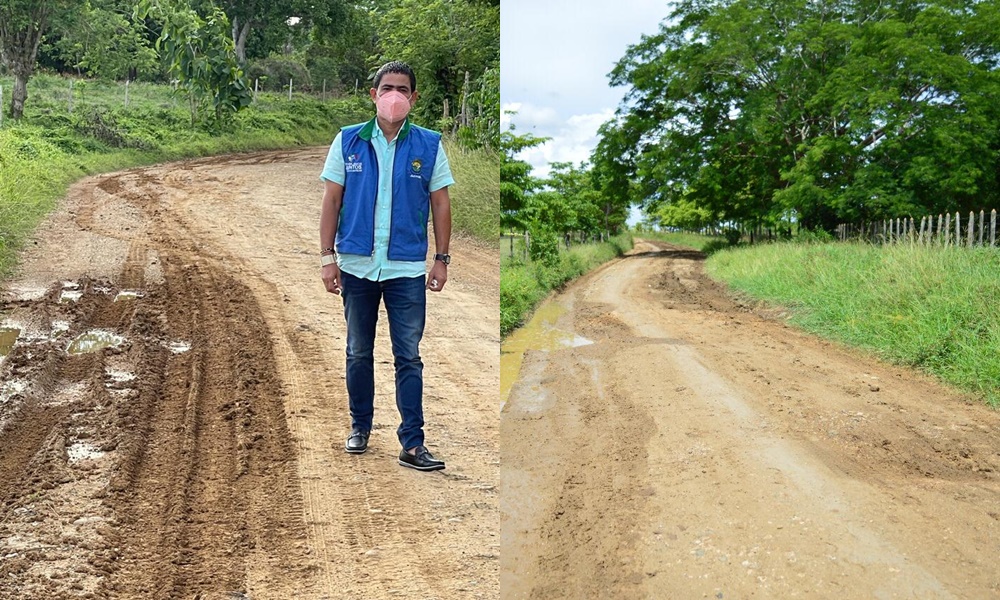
(51, 147)
(935, 309)
(523, 284)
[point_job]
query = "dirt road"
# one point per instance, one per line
(664, 441)
(199, 454)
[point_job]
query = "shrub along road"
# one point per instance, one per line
(701, 448)
(201, 454)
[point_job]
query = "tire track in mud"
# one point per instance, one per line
(195, 478)
(202, 456)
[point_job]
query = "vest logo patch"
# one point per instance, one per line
(353, 163)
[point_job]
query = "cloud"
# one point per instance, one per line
(559, 52)
(572, 139)
(530, 118)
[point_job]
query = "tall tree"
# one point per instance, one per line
(23, 23)
(279, 16)
(515, 178)
(442, 40)
(848, 109)
(103, 39)
(198, 52)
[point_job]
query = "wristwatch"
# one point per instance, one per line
(328, 259)
(445, 258)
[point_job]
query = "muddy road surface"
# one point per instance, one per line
(173, 408)
(665, 441)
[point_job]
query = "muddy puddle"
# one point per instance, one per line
(94, 340)
(8, 337)
(128, 295)
(540, 333)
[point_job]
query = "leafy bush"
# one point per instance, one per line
(544, 246)
(814, 236)
(732, 235)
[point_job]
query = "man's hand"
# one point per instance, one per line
(437, 277)
(331, 278)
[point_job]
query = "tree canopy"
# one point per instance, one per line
(330, 45)
(744, 111)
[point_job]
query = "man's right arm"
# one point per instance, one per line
(333, 198)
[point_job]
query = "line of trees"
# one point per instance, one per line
(573, 199)
(756, 112)
(453, 45)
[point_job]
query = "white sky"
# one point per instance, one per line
(555, 57)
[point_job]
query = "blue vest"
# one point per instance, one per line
(416, 152)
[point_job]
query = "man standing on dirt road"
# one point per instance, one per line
(381, 178)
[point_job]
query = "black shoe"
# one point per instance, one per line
(423, 460)
(357, 442)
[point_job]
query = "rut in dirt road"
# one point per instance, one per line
(663, 440)
(173, 411)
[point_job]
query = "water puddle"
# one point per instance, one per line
(10, 388)
(8, 337)
(70, 295)
(540, 333)
(118, 375)
(128, 295)
(24, 293)
(178, 347)
(94, 340)
(81, 451)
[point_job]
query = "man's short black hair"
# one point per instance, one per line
(396, 67)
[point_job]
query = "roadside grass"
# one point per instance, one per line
(936, 309)
(523, 284)
(476, 194)
(43, 153)
(703, 243)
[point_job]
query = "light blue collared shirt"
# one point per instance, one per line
(378, 267)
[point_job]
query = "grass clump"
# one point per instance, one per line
(932, 308)
(523, 284)
(476, 193)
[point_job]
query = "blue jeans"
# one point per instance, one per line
(405, 303)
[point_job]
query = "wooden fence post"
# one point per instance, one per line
(289, 89)
(947, 229)
(958, 230)
(993, 227)
(972, 224)
(920, 238)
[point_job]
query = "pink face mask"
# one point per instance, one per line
(392, 106)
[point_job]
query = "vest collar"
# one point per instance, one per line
(369, 129)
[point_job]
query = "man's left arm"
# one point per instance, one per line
(441, 215)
